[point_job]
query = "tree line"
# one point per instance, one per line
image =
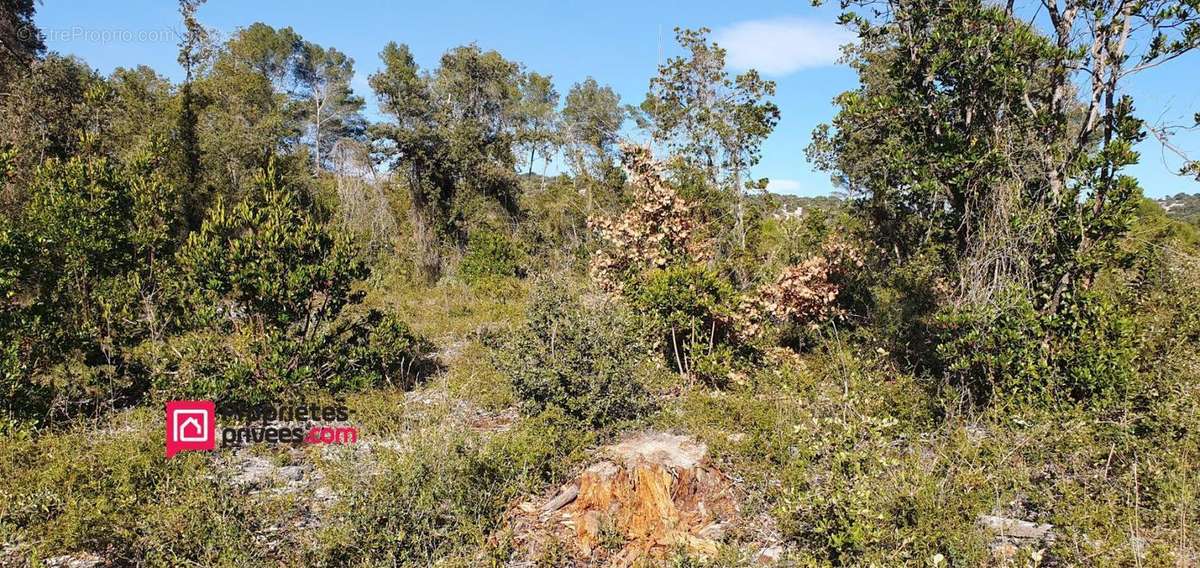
(986, 240)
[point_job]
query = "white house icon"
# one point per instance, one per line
(191, 425)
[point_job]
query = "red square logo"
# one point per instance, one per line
(191, 426)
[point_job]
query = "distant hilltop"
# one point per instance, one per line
(794, 206)
(1184, 206)
(1181, 205)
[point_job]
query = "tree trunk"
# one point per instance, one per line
(317, 139)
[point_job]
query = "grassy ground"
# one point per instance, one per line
(838, 458)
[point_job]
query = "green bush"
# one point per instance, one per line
(267, 262)
(250, 366)
(381, 349)
(445, 497)
(578, 358)
(490, 254)
(995, 350)
(1009, 351)
(692, 312)
(103, 303)
(265, 294)
(82, 261)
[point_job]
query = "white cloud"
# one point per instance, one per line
(783, 186)
(783, 45)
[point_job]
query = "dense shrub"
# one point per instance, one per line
(248, 365)
(379, 348)
(490, 254)
(83, 262)
(267, 262)
(1010, 351)
(440, 496)
(996, 350)
(267, 291)
(101, 302)
(574, 357)
(692, 313)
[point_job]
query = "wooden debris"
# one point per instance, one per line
(564, 498)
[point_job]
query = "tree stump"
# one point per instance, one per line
(652, 494)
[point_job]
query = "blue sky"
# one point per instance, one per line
(617, 42)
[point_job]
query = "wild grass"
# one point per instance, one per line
(850, 465)
(837, 455)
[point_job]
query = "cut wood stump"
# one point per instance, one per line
(649, 495)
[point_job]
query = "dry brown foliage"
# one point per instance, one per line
(657, 230)
(804, 294)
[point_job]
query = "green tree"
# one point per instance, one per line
(193, 53)
(537, 115)
(84, 262)
(452, 136)
(717, 123)
(142, 113)
(330, 106)
(247, 116)
(20, 40)
(266, 297)
(1119, 41)
(235, 261)
(44, 115)
(969, 153)
(479, 95)
(592, 118)
(415, 148)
